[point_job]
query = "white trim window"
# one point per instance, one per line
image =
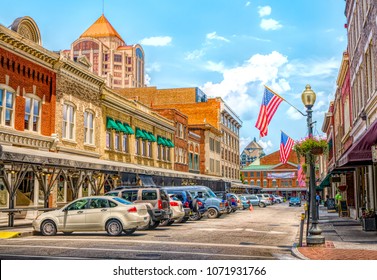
(32, 113)
(6, 107)
(88, 128)
(68, 130)
(125, 143)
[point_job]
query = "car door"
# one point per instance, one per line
(97, 213)
(73, 218)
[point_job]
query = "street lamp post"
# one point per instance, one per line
(315, 238)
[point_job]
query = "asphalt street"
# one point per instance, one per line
(262, 234)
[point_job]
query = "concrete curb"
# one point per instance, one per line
(295, 252)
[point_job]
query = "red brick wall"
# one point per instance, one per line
(23, 75)
(177, 117)
(274, 158)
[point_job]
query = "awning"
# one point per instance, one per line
(162, 141)
(170, 143)
(152, 137)
(128, 128)
(147, 136)
(121, 127)
(111, 124)
(360, 152)
(324, 183)
(140, 134)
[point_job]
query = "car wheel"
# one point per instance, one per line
(261, 205)
(48, 228)
(114, 228)
(129, 231)
(228, 210)
(213, 213)
(153, 224)
(195, 216)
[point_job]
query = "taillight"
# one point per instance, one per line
(174, 203)
(248, 202)
(132, 210)
(186, 205)
(226, 204)
(159, 204)
(200, 203)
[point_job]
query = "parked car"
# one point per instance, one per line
(265, 198)
(157, 197)
(252, 199)
(277, 198)
(178, 213)
(294, 201)
(215, 206)
(195, 207)
(95, 213)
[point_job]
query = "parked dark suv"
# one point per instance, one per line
(158, 198)
(195, 207)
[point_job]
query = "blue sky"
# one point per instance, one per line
(228, 48)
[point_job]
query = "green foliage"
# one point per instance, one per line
(307, 146)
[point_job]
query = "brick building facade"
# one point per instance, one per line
(273, 176)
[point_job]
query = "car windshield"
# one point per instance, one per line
(123, 201)
(210, 193)
(295, 199)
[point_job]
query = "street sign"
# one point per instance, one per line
(374, 153)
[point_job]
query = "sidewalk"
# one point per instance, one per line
(344, 240)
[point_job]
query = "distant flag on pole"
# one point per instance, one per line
(300, 176)
(270, 104)
(286, 144)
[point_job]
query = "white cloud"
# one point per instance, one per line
(240, 84)
(266, 145)
(293, 114)
(155, 67)
(247, 4)
(156, 41)
(264, 11)
(147, 79)
(214, 36)
(270, 24)
(196, 54)
(311, 68)
(215, 67)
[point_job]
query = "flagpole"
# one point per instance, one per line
(285, 101)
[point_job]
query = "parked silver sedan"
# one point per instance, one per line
(96, 213)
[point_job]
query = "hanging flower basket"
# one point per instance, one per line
(310, 146)
(316, 151)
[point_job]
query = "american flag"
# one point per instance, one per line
(270, 104)
(300, 176)
(286, 144)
